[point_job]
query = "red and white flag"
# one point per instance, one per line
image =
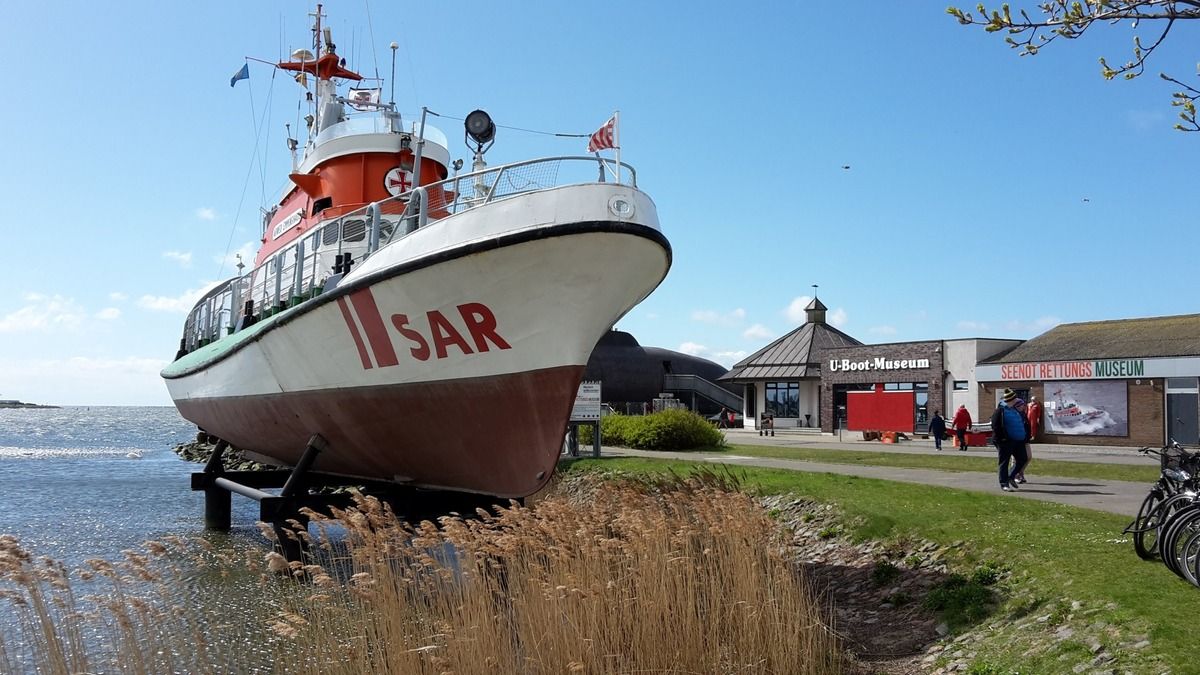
(605, 137)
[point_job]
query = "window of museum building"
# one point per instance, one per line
(783, 399)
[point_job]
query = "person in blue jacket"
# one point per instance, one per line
(1010, 431)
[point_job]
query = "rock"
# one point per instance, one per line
(1094, 645)
(942, 629)
(1043, 619)
(1141, 645)
(1075, 605)
(1079, 668)
(1064, 633)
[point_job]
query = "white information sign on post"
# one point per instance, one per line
(587, 403)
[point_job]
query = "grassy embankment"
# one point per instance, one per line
(1074, 584)
(948, 461)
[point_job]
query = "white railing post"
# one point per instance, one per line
(298, 275)
(373, 237)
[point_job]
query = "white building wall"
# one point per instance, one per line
(960, 359)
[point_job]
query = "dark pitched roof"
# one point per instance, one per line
(816, 304)
(791, 356)
(1123, 338)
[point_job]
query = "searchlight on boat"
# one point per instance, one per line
(480, 128)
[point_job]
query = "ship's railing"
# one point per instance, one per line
(300, 271)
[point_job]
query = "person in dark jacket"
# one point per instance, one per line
(1009, 432)
(937, 429)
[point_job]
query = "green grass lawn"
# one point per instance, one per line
(949, 461)
(1057, 555)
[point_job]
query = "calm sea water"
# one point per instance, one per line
(81, 483)
(88, 482)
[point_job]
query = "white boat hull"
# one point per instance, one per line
(447, 360)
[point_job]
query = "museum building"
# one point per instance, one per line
(818, 377)
(1129, 382)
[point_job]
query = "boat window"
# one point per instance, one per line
(312, 242)
(330, 234)
(354, 230)
(322, 204)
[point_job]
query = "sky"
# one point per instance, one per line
(987, 195)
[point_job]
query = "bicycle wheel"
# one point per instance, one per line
(1191, 559)
(1145, 526)
(1185, 523)
(1165, 516)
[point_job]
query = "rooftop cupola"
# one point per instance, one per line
(814, 312)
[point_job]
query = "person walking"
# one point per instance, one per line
(962, 422)
(1009, 433)
(1033, 417)
(723, 419)
(937, 429)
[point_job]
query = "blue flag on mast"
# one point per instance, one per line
(243, 74)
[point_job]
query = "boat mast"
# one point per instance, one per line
(316, 71)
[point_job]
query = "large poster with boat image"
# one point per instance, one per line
(1087, 408)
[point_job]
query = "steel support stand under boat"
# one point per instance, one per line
(283, 511)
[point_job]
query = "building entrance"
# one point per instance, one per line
(1183, 410)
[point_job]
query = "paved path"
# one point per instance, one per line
(1119, 497)
(1068, 453)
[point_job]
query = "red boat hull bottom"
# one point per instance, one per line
(500, 435)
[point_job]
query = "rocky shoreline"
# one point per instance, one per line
(233, 459)
(20, 404)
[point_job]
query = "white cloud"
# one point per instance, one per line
(1144, 120)
(205, 213)
(84, 380)
(184, 259)
(795, 311)
(117, 296)
(711, 316)
(246, 250)
(180, 304)
(972, 325)
(1039, 325)
(882, 330)
(725, 358)
(758, 332)
(108, 314)
(838, 317)
(44, 313)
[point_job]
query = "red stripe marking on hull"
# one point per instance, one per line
(358, 342)
(372, 323)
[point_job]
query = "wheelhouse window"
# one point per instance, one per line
(783, 399)
(354, 230)
(329, 234)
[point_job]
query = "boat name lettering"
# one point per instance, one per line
(1074, 370)
(287, 224)
(431, 334)
(876, 363)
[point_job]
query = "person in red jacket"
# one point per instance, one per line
(962, 422)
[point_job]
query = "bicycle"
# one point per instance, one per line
(1174, 490)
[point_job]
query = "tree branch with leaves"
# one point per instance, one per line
(1070, 19)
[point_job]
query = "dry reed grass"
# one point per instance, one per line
(682, 576)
